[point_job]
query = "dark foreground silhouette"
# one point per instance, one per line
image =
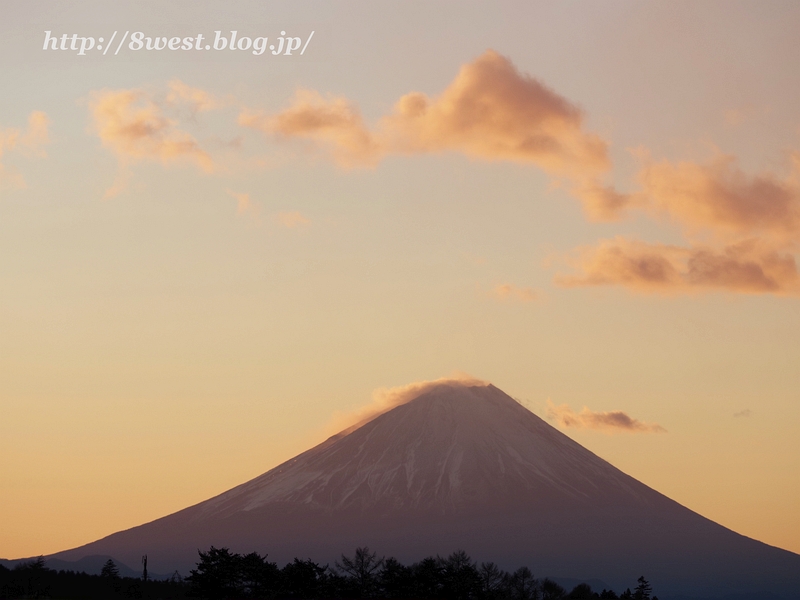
(221, 574)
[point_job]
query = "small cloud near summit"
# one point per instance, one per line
(615, 421)
(384, 399)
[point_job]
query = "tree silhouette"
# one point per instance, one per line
(492, 580)
(258, 577)
(110, 573)
(523, 585)
(460, 578)
(643, 590)
(222, 574)
(395, 579)
(582, 591)
(550, 590)
(305, 579)
(427, 578)
(361, 571)
(109, 570)
(217, 574)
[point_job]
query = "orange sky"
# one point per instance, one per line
(208, 258)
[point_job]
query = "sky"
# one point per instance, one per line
(211, 259)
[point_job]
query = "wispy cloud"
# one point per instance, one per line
(291, 220)
(743, 413)
(509, 291)
(332, 122)
(608, 422)
(749, 267)
(135, 127)
(742, 232)
(195, 99)
(718, 196)
(144, 125)
(490, 111)
(30, 141)
(243, 202)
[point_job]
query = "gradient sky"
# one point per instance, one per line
(209, 260)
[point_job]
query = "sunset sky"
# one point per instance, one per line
(211, 260)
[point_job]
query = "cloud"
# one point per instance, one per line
(609, 422)
(37, 134)
(30, 142)
(333, 122)
(135, 128)
(490, 111)
(197, 100)
(292, 219)
(749, 225)
(603, 202)
(743, 413)
(506, 291)
(385, 399)
(749, 266)
(753, 222)
(243, 202)
(718, 196)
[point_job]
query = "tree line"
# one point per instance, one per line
(34, 580)
(222, 574)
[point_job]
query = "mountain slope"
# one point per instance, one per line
(465, 466)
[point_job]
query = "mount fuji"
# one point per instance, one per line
(462, 465)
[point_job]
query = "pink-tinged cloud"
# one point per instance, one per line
(608, 422)
(507, 291)
(291, 219)
(720, 197)
(195, 99)
(749, 266)
(494, 112)
(37, 134)
(490, 111)
(29, 142)
(331, 122)
(243, 202)
(603, 202)
(135, 128)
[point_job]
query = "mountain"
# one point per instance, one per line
(464, 466)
